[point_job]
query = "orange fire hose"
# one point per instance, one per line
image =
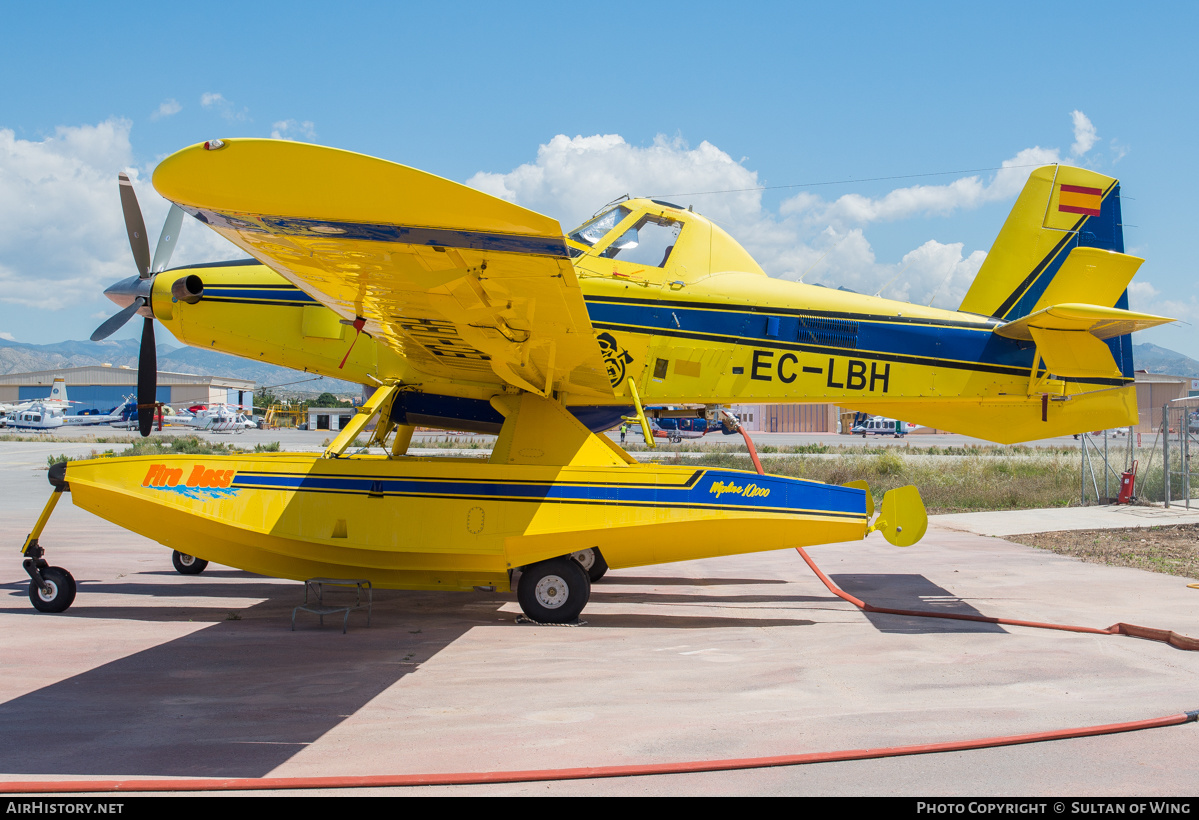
(1148, 633)
(753, 451)
(582, 773)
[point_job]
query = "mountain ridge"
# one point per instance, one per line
(18, 357)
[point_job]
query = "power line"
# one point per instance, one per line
(286, 384)
(846, 181)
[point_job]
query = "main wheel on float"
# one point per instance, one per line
(592, 561)
(554, 591)
(187, 564)
(56, 594)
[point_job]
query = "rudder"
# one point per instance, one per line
(1061, 209)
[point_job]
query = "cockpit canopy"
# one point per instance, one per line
(656, 239)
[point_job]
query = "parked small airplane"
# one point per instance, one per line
(469, 312)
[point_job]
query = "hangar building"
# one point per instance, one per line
(103, 387)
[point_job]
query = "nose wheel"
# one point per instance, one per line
(56, 592)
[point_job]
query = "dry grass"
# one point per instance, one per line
(982, 481)
(1173, 550)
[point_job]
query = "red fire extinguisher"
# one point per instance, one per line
(1127, 480)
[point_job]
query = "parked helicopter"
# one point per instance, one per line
(217, 418)
(867, 425)
(468, 312)
(56, 398)
(53, 412)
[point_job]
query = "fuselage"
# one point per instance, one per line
(704, 325)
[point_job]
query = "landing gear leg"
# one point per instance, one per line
(51, 589)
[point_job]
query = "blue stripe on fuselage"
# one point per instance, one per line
(270, 294)
(715, 489)
(939, 342)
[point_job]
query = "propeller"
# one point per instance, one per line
(133, 294)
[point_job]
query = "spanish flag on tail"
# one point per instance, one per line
(1079, 199)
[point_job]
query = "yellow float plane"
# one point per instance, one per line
(468, 312)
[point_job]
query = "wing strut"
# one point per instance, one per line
(379, 400)
(640, 417)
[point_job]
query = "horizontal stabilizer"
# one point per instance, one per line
(1099, 322)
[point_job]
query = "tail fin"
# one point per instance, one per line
(58, 391)
(1063, 242)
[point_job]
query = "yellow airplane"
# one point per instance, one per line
(469, 312)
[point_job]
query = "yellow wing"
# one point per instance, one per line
(464, 285)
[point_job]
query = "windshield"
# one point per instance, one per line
(649, 242)
(597, 227)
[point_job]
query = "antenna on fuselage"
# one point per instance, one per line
(617, 201)
(821, 259)
(938, 290)
(893, 279)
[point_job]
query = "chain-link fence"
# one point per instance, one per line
(1107, 457)
(1160, 462)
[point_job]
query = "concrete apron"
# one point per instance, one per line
(154, 674)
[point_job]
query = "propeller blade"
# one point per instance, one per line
(117, 321)
(135, 226)
(166, 240)
(147, 379)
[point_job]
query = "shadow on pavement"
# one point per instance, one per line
(914, 592)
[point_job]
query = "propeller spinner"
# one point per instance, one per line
(133, 295)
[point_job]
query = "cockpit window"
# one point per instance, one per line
(649, 242)
(597, 227)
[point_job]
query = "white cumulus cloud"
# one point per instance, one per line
(820, 240)
(573, 176)
(293, 130)
(64, 239)
(166, 109)
(1085, 135)
(214, 101)
(1145, 298)
(922, 200)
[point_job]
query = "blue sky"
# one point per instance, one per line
(562, 108)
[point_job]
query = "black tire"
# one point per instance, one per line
(187, 564)
(593, 561)
(57, 595)
(554, 591)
